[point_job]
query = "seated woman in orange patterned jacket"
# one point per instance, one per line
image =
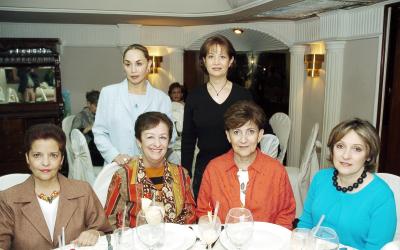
(244, 176)
(169, 182)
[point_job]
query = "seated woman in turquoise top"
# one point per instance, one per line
(356, 203)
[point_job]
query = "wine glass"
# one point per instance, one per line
(150, 226)
(300, 239)
(239, 226)
(209, 230)
(324, 238)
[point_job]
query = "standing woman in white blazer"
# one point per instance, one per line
(120, 104)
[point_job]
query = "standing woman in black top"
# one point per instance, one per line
(205, 107)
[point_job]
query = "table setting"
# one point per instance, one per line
(239, 232)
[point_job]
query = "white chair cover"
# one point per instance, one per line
(281, 125)
(9, 180)
(103, 181)
(177, 120)
(300, 178)
(394, 183)
(2, 95)
(82, 163)
(269, 145)
(66, 127)
(393, 245)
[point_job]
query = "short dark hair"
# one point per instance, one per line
(216, 40)
(241, 112)
(173, 86)
(368, 134)
(44, 131)
(138, 47)
(151, 120)
(92, 96)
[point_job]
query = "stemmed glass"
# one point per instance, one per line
(300, 239)
(150, 226)
(209, 229)
(239, 226)
(325, 238)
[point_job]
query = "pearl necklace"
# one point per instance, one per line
(217, 92)
(350, 188)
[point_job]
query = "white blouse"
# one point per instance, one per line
(49, 211)
(243, 176)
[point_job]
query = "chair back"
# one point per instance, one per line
(82, 163)
(269, 145)
(309, 165)
(66, 127)
(281, 125)
(394, 183)
(103, 181)
(9, 180)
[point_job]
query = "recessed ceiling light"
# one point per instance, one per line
(238, 31)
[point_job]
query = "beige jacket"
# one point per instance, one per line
(22, 224)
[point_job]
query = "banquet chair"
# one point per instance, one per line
(300, 178)
(103, 180)
(394, 183)
(393, 245)
(174, 156)
(269, 145)
(12, 95)
(9, 180)
(82, 166)
(281, 125)
(66, 127)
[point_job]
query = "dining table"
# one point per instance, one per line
(187, 237)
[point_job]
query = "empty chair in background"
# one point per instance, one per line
(9, 180)
(67, 127)
(269, 145)
(300, 177)
(281, 126)
(394, 183)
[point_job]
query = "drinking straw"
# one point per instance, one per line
(319, 223)
(63, 236)
(209, 216)
(59, 241)
(123, 218)
(216, 212)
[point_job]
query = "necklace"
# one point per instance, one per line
(217, 92)
(49, 198)
(355, 185)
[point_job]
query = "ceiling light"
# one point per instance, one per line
(238, 31)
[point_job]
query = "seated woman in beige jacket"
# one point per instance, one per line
(34, 212)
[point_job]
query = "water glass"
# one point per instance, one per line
(239, 226)
(325, 238)
(150, 226)
(300, 239)
(209, 230)
(123, 238)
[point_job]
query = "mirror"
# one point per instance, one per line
(25, 84)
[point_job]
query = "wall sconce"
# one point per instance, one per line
(238, 31)
(156, 64)
(313, 64)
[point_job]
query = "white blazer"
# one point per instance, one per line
(114, 126)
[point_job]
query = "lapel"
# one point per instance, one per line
(66, 207)
(31, 210)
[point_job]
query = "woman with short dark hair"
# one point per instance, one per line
(34, 212)
(169, 182)
(244, 176)
(356, 203)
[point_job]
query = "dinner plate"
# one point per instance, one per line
(177, 237)
(265, 235)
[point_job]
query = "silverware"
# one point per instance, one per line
(108, 237)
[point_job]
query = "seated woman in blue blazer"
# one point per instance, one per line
(356, 203)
